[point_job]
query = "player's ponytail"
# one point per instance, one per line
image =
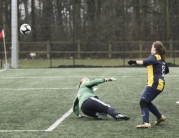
(160, 49)
(79, 85)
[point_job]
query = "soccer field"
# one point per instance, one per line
(36, 103)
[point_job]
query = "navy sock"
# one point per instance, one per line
(155, 111)
(113, 112)
(145, 115)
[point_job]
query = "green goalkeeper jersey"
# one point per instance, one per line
(85, 91)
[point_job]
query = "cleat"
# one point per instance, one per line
(144, 125)
(121, 117)
(160, 120)
(101, 116)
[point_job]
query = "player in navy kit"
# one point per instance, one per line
(157, 68)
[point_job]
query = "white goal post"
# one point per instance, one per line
(14, 34)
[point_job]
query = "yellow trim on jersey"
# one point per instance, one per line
(160, 84)
(150, 75)
(158, 57)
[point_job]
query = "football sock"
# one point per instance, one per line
(113, 112)
(145, 115)
(155, 111)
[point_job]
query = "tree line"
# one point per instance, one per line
(94, 21)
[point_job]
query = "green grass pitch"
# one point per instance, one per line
(31, 100)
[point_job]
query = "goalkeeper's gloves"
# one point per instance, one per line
(130, 62)
(109, 79)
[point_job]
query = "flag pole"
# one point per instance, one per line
(4, 45)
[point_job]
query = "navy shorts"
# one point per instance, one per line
(150, 94)
(93, 105)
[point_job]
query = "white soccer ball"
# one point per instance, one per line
(25, 29)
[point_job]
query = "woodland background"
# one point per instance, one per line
(94, 25)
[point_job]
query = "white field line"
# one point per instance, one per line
(60, 77)
(51, 128)
(33, 77)
(6, 131)
(22, 89)
(68, 77)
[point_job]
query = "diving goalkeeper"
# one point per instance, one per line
(87, 102)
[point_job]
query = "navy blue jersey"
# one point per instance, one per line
(156, 71)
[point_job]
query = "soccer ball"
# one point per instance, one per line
(25, 29)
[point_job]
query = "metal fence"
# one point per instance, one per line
(72, 54)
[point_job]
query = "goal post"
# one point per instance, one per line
(14, 34)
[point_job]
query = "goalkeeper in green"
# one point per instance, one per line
(87, 102)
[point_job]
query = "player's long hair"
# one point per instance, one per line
(81, 82)
(79, 85)
(160, 49)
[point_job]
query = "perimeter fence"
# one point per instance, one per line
(74, 54)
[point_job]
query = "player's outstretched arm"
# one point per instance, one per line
(133, 62)
(109, 79)
(139, 62)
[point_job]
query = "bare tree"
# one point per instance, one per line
(46, 20)
(33, 20)
(77, 19)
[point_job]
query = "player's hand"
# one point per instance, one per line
(81, 116)
(110, 79)
(130, 62)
